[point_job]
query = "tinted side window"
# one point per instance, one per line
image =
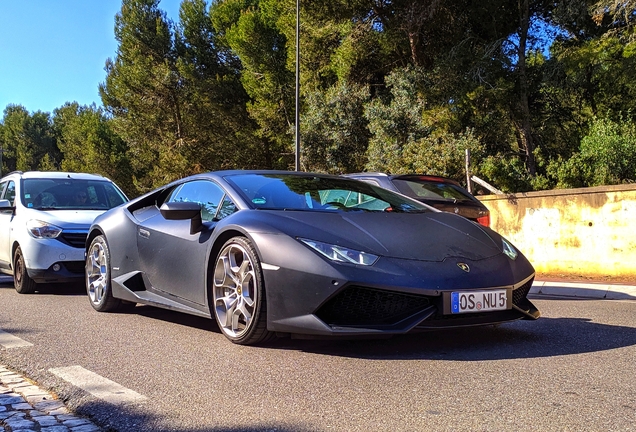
(9, 193)
(2, 187)
(206, 193)
(226, 209)
(432, 190)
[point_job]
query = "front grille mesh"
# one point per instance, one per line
(520, 293)
(363, 306)
(77, 240)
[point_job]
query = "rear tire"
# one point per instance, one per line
(21, 279)
(238, 293)
(97, 275)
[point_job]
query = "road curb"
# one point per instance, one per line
(26, 407)
(584, 290)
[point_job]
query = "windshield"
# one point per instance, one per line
(311, 192)
(70, 194)
(423, 189)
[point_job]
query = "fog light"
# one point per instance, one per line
(56, 267)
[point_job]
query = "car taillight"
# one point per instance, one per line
(484, 220)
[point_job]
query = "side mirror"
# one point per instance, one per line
(6, 205)
(183, 211)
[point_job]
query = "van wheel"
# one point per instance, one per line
(21, 279)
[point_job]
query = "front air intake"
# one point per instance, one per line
(362, 306)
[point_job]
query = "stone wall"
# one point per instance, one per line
(589, 232)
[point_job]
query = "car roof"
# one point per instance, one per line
(229, 173)
(423, 177)
(57, 175)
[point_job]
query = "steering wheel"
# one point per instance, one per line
(45, 199)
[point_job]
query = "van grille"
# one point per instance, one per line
(74, 239)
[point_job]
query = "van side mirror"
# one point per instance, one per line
(6, 205)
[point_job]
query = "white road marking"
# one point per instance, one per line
(97, 385)
(7, 340)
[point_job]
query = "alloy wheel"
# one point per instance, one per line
(235, 290)
(97, 273)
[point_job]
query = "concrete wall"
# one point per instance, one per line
(588, 232)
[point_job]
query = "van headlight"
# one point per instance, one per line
(42, 230)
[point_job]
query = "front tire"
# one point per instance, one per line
(21, 279)
(97, 273)
(238, 293)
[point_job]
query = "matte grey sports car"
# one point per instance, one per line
(273, 252)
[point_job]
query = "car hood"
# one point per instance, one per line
(67, 219)
(432, 236)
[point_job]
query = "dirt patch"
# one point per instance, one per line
(609, 279)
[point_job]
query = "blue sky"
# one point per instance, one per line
(54, 51)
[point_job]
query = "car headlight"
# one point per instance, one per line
(43, 230)
(341, 254)
(509, 249)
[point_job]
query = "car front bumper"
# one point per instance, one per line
(309, 295)
(52, 261)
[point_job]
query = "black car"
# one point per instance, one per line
(440, 192)
(273, 252)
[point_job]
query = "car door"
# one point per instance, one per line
(173, 259)
(7, 191)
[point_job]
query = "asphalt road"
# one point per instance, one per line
(572, 370)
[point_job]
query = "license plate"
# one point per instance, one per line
(478, 301)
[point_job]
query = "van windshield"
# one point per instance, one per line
(70, 194)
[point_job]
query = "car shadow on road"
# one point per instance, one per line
(135, 417)
(547, 337)
(176, 318)
(75, 288)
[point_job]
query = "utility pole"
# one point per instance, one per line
(469, 183)
(1, 150)
(297, 137)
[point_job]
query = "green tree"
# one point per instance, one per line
(335, 135)
(409, 135)
(218, 128)
(88, 144)
(607, 156)
(143, 93)
(251, 29)
(28, 140)
(396, 121)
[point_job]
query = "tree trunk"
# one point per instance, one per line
(526, 134)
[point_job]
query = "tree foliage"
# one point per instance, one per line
(28, 140)
(88, 143)
(607, 156)
(530, 87)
